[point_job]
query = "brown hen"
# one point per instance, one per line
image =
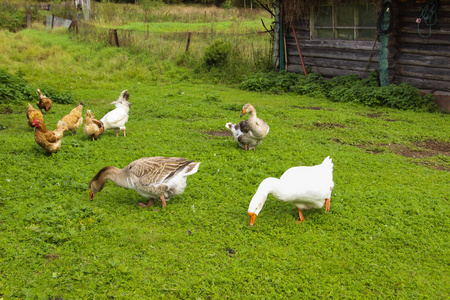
(34, 114)
(74, 118)
(47, 139)
(44, 102)
(92, 127)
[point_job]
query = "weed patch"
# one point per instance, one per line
(347, 88)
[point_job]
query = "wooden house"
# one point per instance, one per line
(402, 40)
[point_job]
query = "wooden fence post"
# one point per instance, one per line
(116, 38)
(53, 20)
(188, 41)
(75, 24)
(28, 21)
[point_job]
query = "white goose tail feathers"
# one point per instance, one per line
(191, 168)
(235, 129)
(328, 162)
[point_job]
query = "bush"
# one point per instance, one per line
(217, 53)
(347, 88)
(11, 18)
(14, 89)
(57, 96)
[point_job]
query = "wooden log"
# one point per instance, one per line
(422, 83)
(352, 55)
(429, 50)
(188, 41)
(417, 39)
(423, 60)
(338, 44)
(440, 74)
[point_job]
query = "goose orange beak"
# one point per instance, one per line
(252, 218)
(91, 195)
(243, 112)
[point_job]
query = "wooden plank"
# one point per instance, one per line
(333, 63)
(423, 60)
(440, 74)
(424, 49)
(417, 39)
(330, 53)
(435, 30)
(331, 72)
(334, 44)
(423, 83)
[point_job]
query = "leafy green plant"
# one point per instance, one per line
(11, 18)
(14, 88)
(217, 53)
(57, 96)
(348, 88)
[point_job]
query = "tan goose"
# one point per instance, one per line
(151, 177)
(249, 133)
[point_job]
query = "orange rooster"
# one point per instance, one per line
(47, 139)
(34, 114)
(74, 118)
(44, 102)
(92, 127)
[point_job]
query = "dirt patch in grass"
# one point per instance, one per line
(419, 150)
(328, 125)
(422, 149)
(6, 111)
(51, 256)
(374, 115)
(312, 107)
(219, 133)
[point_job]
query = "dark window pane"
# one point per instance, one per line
(367, 15)
(367, 34)
(324, 33)
(324, 16)
(344, 34)
(345, 16)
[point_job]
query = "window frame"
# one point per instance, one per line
(334, 27)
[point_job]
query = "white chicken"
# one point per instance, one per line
(117, 118)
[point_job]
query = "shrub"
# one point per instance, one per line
(13, 88)
(57, 96)
(11, 18)
(217, 53)
(348, 88)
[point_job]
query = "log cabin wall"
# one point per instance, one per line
(420, 60)
(330, 57)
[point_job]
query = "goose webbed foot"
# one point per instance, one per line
(150, 204)
(300, 215)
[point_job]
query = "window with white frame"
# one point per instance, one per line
(344, 22)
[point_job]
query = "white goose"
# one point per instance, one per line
(249, 133)
(305, 187)
(151, 177)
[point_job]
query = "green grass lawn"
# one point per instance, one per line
(386, 235)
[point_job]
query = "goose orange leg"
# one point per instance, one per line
(246, 147)
(150, 203)
(163, 200)
(327, 204)
(300, 215)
